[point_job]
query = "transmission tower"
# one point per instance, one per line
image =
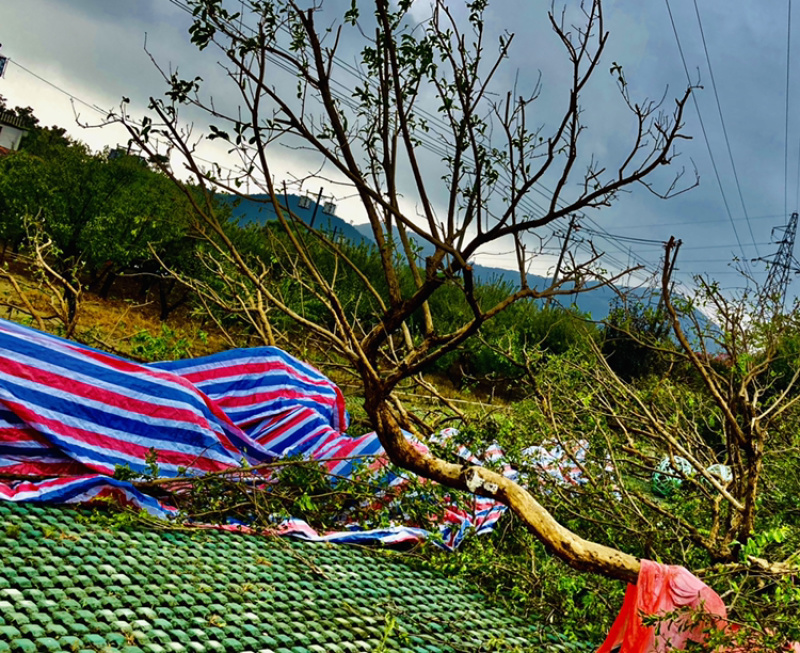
(780, 264)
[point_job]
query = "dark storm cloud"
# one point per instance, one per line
(92, 45)
(747, 48)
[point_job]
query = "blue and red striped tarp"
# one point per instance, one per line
(69, 414)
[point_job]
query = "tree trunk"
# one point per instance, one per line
(577, 552)
(165, 289)
(72, 312)
(108, 281)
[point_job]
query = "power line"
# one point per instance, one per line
(704, 247)
(104, 112)
(437, 147)
(74, 98)
(695, 222)
(526, 203)
(722, 121)
(705, 134)
(797, 194)
(786, 135)
(706, 260)
(624, 239)
(786, 154)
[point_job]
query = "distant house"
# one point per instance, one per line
(11, 132)
(258, 209)
(122, 152)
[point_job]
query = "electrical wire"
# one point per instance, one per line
(74, 98)
(704, 247)
(722, 122)
(625, 239)
(705, 135)
(772, 216)
(797, 187)
(429, 143)
(786, 136)
(436, 148)
(345, 97)
(100, 110)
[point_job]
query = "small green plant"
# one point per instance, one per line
(759, 542)
(118, 517)
(167, 345)
(150, 473)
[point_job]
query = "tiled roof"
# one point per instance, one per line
(67, 583)
(8, 118)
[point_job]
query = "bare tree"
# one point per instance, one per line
(694, 460)
(423, 93)
(714, 416)
(62, 289)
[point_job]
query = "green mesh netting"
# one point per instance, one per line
(667, 479)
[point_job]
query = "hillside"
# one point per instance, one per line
(257, 209)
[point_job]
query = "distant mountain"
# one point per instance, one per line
(258, 209)
(596, 303)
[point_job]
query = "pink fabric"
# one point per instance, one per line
(662, 589)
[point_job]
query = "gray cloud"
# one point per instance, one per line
(93, 48)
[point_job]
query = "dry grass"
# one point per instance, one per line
(119, 324)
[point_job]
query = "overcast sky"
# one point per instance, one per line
(93, 49)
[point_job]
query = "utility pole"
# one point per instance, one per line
(773, 294)
(316, 208)
(3, 63)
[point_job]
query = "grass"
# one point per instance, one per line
(122, 324)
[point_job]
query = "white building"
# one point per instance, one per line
(11, 132)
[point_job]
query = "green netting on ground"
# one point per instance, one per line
(69, 584)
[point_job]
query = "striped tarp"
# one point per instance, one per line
(70, 414)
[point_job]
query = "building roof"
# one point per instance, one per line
(12, 120)
(70, 582)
